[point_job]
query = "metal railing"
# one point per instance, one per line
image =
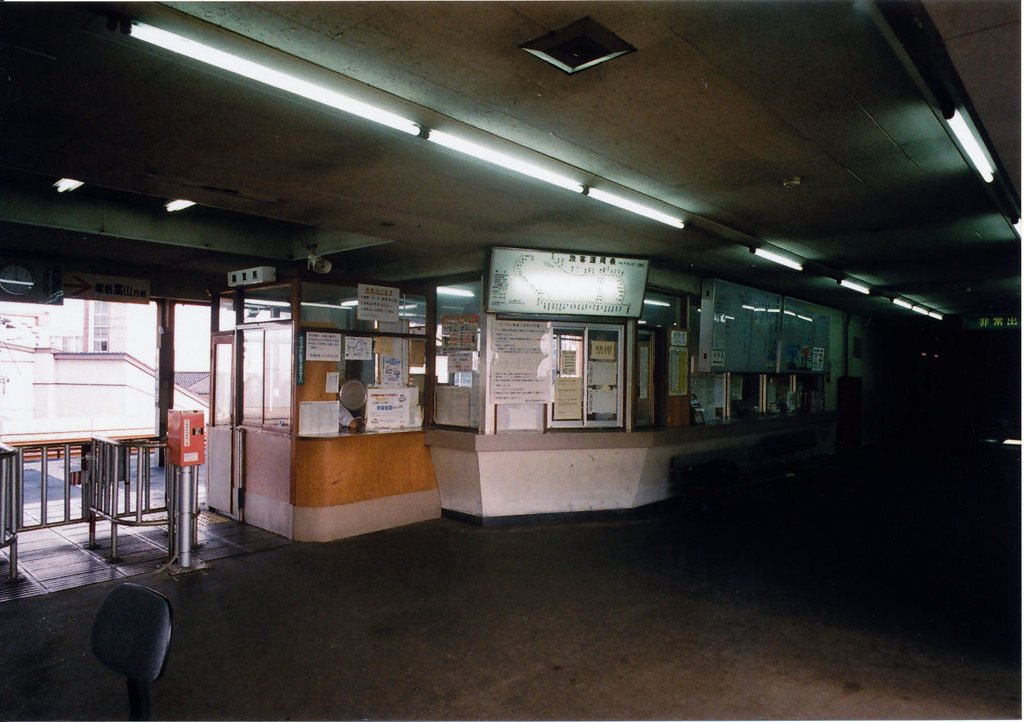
(10, 503)
(120, 487)
(52, 477)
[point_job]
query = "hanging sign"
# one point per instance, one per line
(90, 287)
(578, 284)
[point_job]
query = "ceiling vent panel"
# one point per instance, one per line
(581, 45)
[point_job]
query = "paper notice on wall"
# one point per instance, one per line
(567, 363)
(602, 350)
(568, 399)
(322, 346)
(602, 401)
(332, 383)
(603, 373)
(377, 303)
(391, 408)
(678, 371)
(318, 417)
(520, 362)
(392, 371)
(358, 348)
(817, 359)
(461, 361)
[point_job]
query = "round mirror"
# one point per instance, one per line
(353, 395)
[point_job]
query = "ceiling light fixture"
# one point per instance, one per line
(505, 161)
(904, 304)
(652, 302)
(919, 309)
(67, 184)
(776, 258)
(620, 202)
(178, 205)
(937, 316)
(971, 145)
(268, 76)
(854, 286)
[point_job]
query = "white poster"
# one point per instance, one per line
(321, 346)
(520, 362)
(568, 399)
(358, 348)
(377, 303)
(390, 408)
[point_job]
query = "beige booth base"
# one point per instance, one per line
(321, 524)
(489, 479)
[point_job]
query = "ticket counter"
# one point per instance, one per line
(291, 457)
(341, 409)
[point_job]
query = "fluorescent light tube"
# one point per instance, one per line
(937, 316)
(854, 286)
(67, 184)
(1017, 227)
(271, 77)
(504, 161)
(805, 318)
(178, 205)
(901, 302)
(651, 302)
(628, 205)
(1011, 442)
(450, 291)
(919, 309)
(970, 143)
(781, 260)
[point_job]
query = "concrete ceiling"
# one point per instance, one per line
(719, 103)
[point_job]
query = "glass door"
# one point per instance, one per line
(224, 436)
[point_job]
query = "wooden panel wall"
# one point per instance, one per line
(360, 467)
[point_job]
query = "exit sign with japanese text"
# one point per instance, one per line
(992, 322)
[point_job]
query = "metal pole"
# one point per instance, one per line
(183, 533)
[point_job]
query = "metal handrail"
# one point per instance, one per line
(10, 503)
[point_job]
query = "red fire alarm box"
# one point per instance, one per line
(186, 438)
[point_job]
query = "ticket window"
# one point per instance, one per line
(587, 376)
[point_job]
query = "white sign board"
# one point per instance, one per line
(377, 303)
(578, 284)
(322, 346)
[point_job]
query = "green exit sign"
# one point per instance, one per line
(992, 322)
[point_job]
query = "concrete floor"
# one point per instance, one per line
(853, 594)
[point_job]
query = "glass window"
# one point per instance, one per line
(337, 307)
(266, 376)
(226, 312)
(661, 310)
(457, 360)
(271, 303)
(252, 376)
(222, 369)
(277, 376)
